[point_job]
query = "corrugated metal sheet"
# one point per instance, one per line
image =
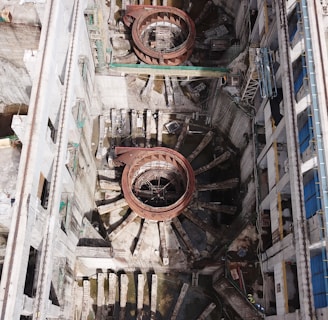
(318, 280)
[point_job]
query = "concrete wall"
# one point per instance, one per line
(15, 82)
(231, 120)
(53, 96)
(247, 163)
(17, 36)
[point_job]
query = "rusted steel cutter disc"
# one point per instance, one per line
(161, 35)
(157, 183)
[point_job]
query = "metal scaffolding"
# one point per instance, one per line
(251, 81)
(267, 79)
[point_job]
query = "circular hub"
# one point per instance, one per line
(158, 183)
(161, 35)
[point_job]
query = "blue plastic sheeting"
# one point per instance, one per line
(305, 135)
(318, 280)
(311, 196)
(292, 36)
(299, 81)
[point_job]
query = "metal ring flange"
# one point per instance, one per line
(156, 163)
(146, 17)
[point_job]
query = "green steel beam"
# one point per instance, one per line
(178, 71)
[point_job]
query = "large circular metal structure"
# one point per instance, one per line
(161, 35)
(157, 183)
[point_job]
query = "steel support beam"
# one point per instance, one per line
(177, 71)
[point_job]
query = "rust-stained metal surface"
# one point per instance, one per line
(161, 35)
(158, 183)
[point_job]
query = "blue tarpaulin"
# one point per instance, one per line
(311, 196)
(299, 80)
(318, 280)
(305, 134)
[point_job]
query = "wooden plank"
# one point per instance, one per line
(163, 243)
(131, 217)
(153, 299)
(178, 226)
(140, 295)
(100, 296)
(86, 300)
(207, 311)
(182, 295)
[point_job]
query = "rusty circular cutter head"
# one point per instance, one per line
(157, 183)
(161, 35)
